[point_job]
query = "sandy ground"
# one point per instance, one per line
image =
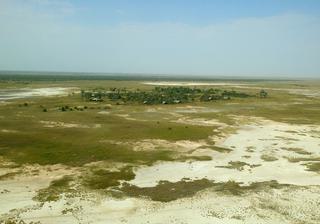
(59, 124)
(248, 145)
(192, 109)
(201, 122)
(194, 84)
(274, 206)
(16, 193)
(296, 203)
(8, 94)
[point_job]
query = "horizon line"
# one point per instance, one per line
(159, 75)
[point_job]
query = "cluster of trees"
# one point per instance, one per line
(263, 93)
(162, 95)
(217, 94)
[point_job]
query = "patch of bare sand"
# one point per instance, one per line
(9, 94)
(9, 131)
(194, 110)
(128, 117)
(17, 191)
(200, 122)
(104, 112)
(286, 205)
(194, 84)
(59, 124)
(160, 144)
(249, 144)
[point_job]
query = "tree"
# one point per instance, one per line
(263, 94)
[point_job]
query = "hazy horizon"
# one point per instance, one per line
(253, 39)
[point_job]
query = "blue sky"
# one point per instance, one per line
(199, 37)
(201, 12)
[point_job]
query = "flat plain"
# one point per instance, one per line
(67, 159)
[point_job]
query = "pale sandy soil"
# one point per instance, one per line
(8, 94)
(248, 145)
(159, 144)
(201, 122)
(193, 109)
(8, 131)
(195, 84)
(288, 205)
(103, 112)
(305, 92)
(296, 203)
(16, 193)
(59, 124)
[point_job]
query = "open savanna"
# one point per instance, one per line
(99, 147)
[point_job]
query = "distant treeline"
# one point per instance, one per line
(162, 95)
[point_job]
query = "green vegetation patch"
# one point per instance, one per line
(55, 189)
(36, 144)
(297, 150)
(167, 191)
(229, 187)
(103, 179)
(216, 148)
(239, 165)
(315, 167)
(302, 159)
(193, 158)
(46, 151)
(235, 188)
(9, 175)
(268, 158)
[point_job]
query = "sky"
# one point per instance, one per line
(251, 38)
